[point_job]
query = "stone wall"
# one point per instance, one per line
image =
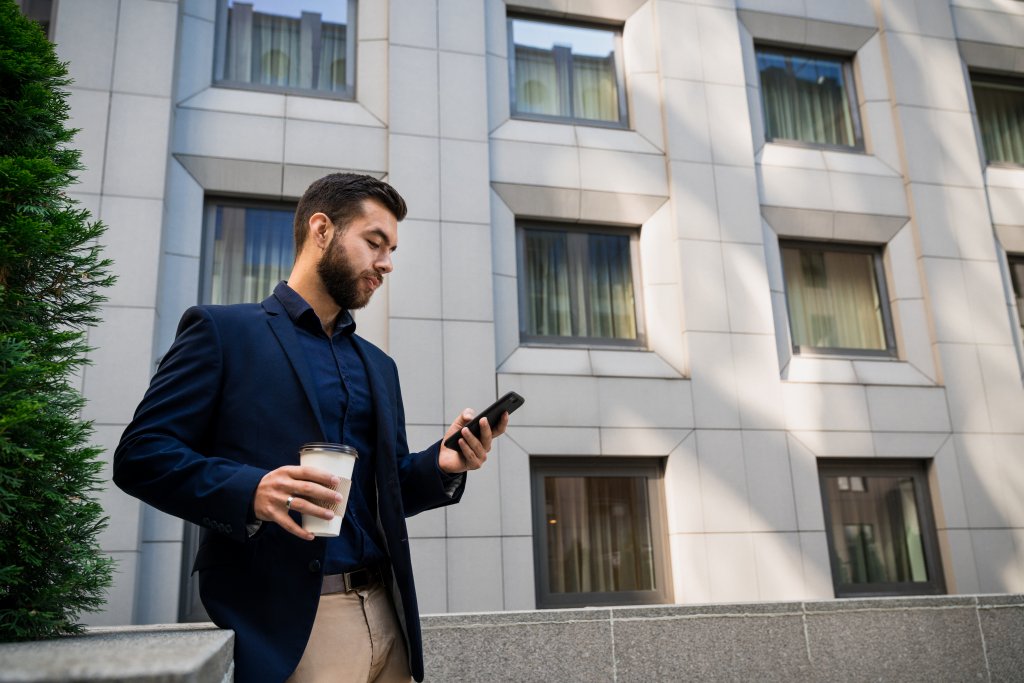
(898, 639)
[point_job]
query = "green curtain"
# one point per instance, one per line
(1001, 119)
(595, 95)
(805, 99)
(833, 299)
(548, 308)
(537, 82)
(612, 305)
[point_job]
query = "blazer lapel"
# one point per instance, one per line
(383, 404)
(284, 330)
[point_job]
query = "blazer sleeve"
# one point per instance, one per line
(163, 456)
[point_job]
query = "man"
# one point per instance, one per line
(216, 439)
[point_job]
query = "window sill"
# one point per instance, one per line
(854, 370)
(588, 362)
(345, 96)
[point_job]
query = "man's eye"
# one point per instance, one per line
(373, 245)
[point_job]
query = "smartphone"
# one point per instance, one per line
(506, 404)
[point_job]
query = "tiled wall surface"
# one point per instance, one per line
(740, 419)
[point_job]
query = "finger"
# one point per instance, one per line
(316, 493)
(472, 452)
(288, 524)
(502, 425)
(313, 474)
(308, 507)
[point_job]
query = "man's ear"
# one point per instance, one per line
(320, 230)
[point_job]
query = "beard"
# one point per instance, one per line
(340, 279)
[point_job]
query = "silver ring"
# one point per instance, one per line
(288, 503)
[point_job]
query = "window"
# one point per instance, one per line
(880, 530)
(1017, 278)
(836, 299)
(1000, 105)
(248, 249)
(566, 72)
(808, 98)
(306, 47)
(41, 12)
(599, 532)
(578, 284)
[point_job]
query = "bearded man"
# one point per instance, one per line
(216, 439)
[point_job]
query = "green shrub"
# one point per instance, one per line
(51, 273)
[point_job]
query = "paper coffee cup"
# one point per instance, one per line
(339, 460)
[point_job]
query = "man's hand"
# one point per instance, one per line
(303, 485)
(472, 451)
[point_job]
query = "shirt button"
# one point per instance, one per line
(314, 566)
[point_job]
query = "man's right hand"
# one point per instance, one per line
(303, 485)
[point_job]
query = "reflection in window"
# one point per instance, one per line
(249, 249)
(876, 531)
(1017, 279)
(807, 98)
(1000, 105)
(835, 298)
(578, 284)
(599, 532)
(293, 45)
(563, 71)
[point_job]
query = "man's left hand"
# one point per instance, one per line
(472, 453)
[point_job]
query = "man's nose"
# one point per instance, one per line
(384, 263)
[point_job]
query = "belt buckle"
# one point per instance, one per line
(356, 579)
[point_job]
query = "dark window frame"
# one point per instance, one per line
(525, 339)
(1017, 286)
(620, 73)
(210, 204)
(993, 78)
(877, 251)
(868, 467)
(653, 469)
(351, 50)
(849, 85)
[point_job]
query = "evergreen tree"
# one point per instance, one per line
(51, 272)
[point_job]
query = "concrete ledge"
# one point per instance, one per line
(199, 653)
(905, 639)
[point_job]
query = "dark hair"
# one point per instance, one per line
(340, 196)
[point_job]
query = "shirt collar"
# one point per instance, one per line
(303, 315)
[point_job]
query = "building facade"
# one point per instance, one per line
(755, 265)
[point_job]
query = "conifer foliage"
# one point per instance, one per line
(51, 275)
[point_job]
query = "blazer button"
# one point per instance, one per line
(314, 566)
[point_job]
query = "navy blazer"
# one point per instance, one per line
(233, 398)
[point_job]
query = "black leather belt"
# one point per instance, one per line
(349, 581)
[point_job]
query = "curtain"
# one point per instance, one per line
(548, 307)
(595, 95)
(1001, 119)
(612, 308)
(833, 299)
(805, 99)
(537, 82)
(599, 536)
(333, 60)
(276, 50)
(253, 250)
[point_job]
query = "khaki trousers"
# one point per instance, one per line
(355, 637)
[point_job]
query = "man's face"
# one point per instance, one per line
(355, 261)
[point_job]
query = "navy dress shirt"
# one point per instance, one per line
(343, 394)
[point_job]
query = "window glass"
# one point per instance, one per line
(880, 531)
(563, 71)
(834, 299)
(578, 284)
(807, 98)
(249, 250)
(1000, 105)
(280, 44)
(1017, 278)
(599, 532)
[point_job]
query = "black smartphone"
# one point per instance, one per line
(506, 404)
